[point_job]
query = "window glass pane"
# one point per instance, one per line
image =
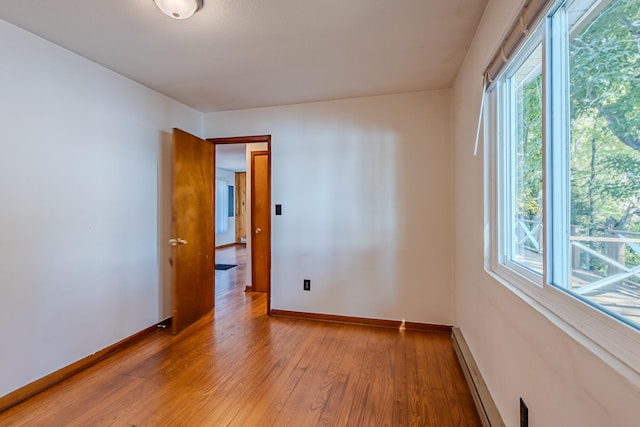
(222, 199)
(604, 73)
(231, 203)
(525, 205)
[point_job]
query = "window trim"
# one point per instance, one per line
(610, 338)
(499, 128)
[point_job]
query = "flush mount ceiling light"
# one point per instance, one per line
(179, 9)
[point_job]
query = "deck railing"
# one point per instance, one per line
(613, 249)
(529, 236)
(617, 271)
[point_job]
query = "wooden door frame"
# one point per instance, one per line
(253, 140)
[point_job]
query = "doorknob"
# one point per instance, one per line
(176, 242)
(258, 230)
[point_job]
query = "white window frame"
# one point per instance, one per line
(614, 341)
(499, 104)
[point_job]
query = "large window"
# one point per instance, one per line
(564, 118)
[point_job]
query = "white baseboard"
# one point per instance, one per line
(487, 409)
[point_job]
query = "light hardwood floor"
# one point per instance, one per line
(238, 367)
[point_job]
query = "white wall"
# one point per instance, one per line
(366, 192)
(228, 236)
(520, 350)
(84, 158)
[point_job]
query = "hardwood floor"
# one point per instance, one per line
(238, 367)
(234, 278)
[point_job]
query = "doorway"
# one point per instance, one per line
(253, 225)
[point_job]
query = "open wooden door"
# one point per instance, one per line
(260, 222)
(192, 222)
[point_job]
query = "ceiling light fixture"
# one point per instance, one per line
(179, 9)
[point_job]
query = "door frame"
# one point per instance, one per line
(252, 140)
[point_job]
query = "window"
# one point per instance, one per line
(523, 163)
(222, 208)
(231, 201)
(564, 121)
(604, 156)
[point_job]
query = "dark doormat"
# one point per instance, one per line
(225, 266)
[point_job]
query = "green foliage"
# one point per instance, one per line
(605, 117)
(605, 70)
(529, 167)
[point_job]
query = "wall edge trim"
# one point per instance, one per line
(362, 321)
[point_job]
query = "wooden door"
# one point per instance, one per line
(260, 222)
(192, 223)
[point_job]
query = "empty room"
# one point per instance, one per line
(345, 213)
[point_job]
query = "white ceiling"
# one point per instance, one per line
(236, 54)
(231, 157)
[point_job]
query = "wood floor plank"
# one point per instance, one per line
(379, 410)
(334, 385)
(418, 410)
(373, 402)
(351, 369)
(400, 383)
(260, 371)
(265, 403)
(298, 409)
(238, 367)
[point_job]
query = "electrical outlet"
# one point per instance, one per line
(524, 414)
(306, 285)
